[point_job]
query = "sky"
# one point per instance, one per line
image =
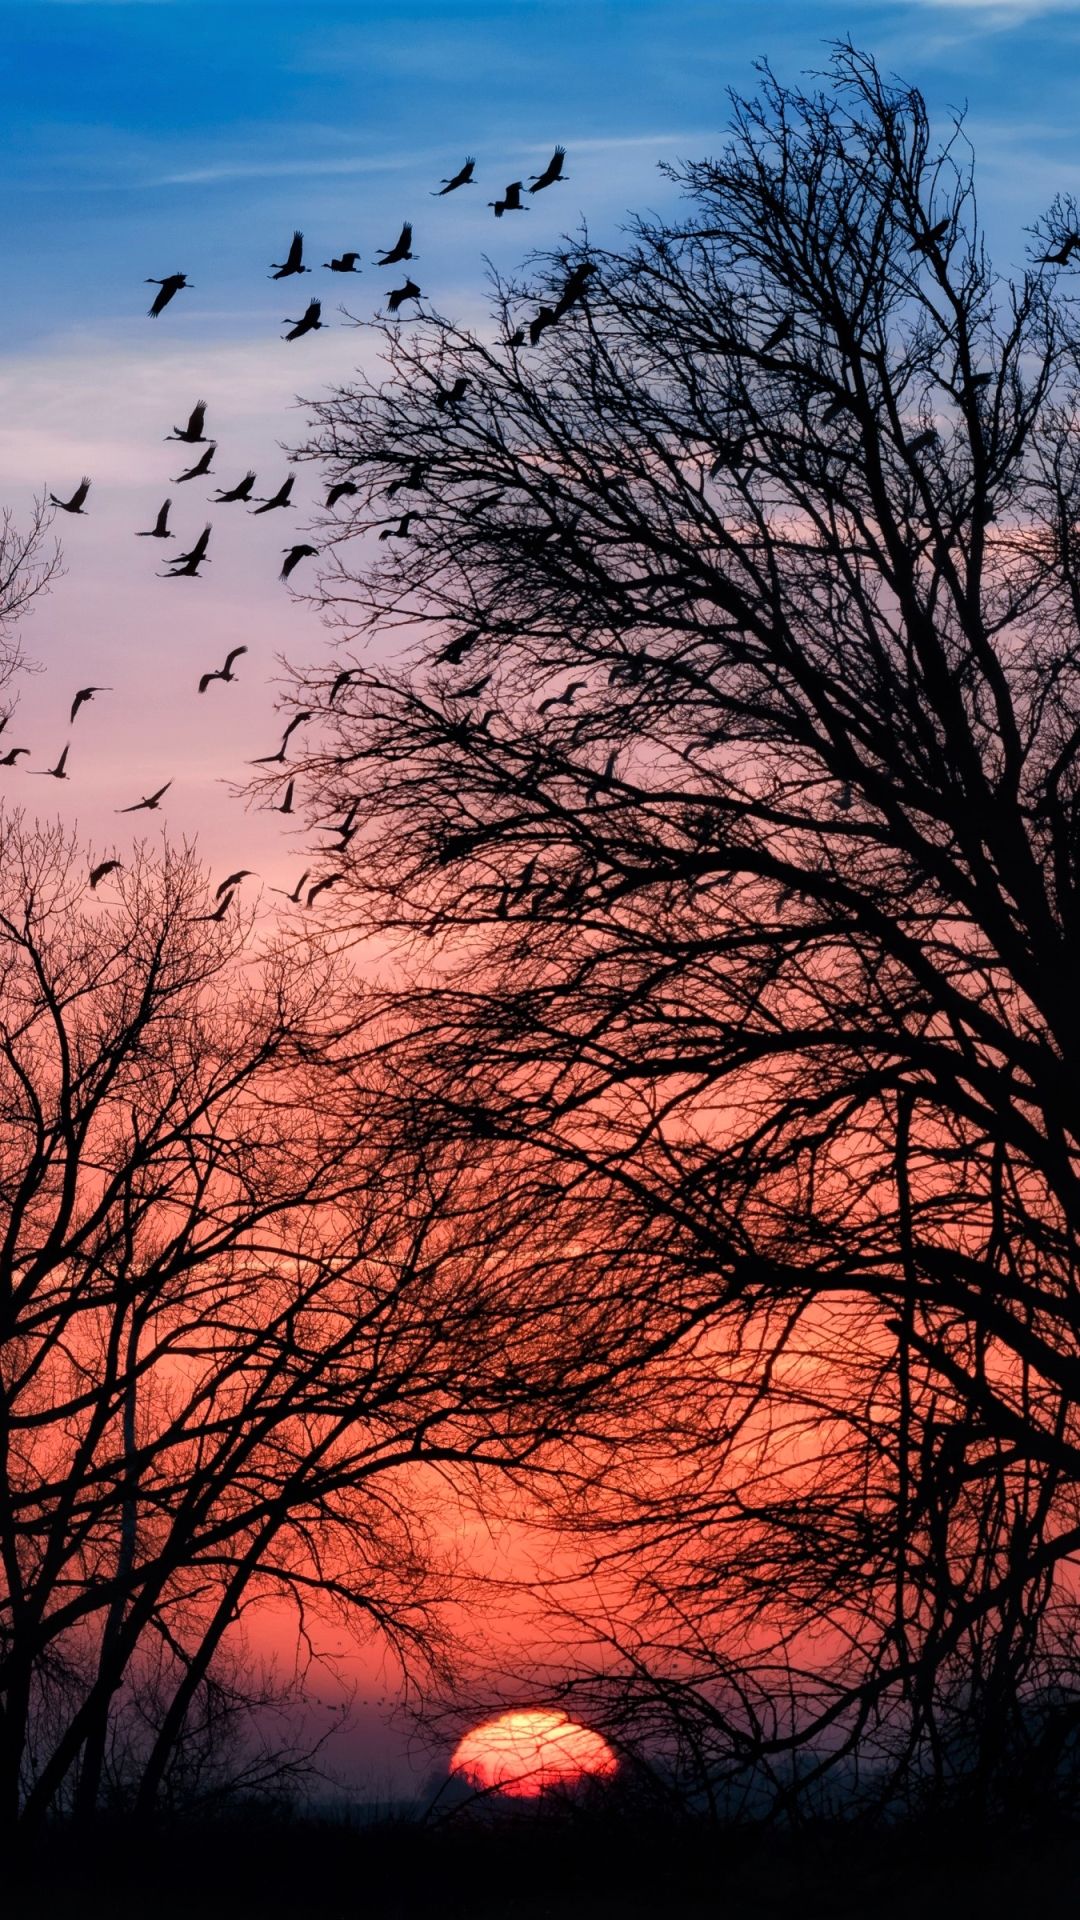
(148, 136)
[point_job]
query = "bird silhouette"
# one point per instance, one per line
(547, 317)
(472, 692)
(193, 432)
(343, 263)
(552, 172)
(75, 504)
(169, 286)
(511, 200)
(1061, 258)
(11, 756)
(779, 333)
(574, 288)
(286, 805)
(517, 338)
(83, 695)
(233, 880)
(462, 178)
(98, 873)
(401, 249)
(410, 291)
(309, 321)
(980, 381)
(293, 262)
(921, 441)
(160, 528)
(294, 896)
(458, 648)
(189, 563)
(344, 679)
(339, 490)
(321, 886)
(278, 499)
(410, 482)
(293, 557)
(222, 673)
(57, 772)
(150, 801)
(276, 759)
(402, 530)
(926, 242)
(449, 396)
(202, 465)
(241, 491)
(843, 403)
(564, 698)
(220, 912)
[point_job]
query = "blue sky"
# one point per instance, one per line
(148, 135)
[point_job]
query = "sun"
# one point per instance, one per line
(530, 1750)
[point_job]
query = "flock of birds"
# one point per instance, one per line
(192, 434)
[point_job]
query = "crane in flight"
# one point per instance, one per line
(277, 759)
(293, 557)
(511, 200)
(410, 291)
(149, 801)
(278, 499)
(293, 261)
(59, 771)
(201, 467)
(104, 867)
(83, 695)
(186, 565)
(193, 432)
(160, 528)
(339, 490)
(169, 286)
(309, 321)
(241, 491)
(462, 178)
(75, 504)
(401, 249)
(343, 263)
(222, 673)
(552, 172)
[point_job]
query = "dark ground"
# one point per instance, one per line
(530, 1868)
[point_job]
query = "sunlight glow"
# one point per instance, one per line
(531, 1749)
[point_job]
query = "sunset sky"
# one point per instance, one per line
(147, 136)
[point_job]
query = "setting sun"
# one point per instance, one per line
(530, 1750)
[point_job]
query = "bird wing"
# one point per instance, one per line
(80, 492)
(163, 517)
(161, 299)
(296, 250)
(196, 419)
(153, 798)
(234, 655)
(404, 239)
(205, 680)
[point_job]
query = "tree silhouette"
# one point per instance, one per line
(724, 788)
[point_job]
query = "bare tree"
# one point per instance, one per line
(245, 1327)
(28, 565)
(725, 786)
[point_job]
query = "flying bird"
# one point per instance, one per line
(188, 562)
(339, 490)
(75, 504)
(220, 912)
(922, 441)
(511, 200)
(193, 432)
(233, 880)
(150, 801)
(779, 333)
(278, 499)
(843, 403)
(462, 178)
(293, 262)
(546, 317)
(293, 557)
(926, 242)
(575, 287)
(410, 291)
(286, 805)
(564, 698)
(308, 322)
(57, 772)
(343, 263)
(979, 381)
(321, 886)
(160, 528)
(458, 648)
(201, 466)
(294, 896)
(403, 529)
(12, 755)
(222, 673)
(241, 491)
(344, 679)
(401, 249)
(449, 396)
(552, 172)
(1061, 257)
(83, 695)
(171, 284)
(411, 482)
(275, 759)
(98, 873)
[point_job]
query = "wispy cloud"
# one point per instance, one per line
(220, 171)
